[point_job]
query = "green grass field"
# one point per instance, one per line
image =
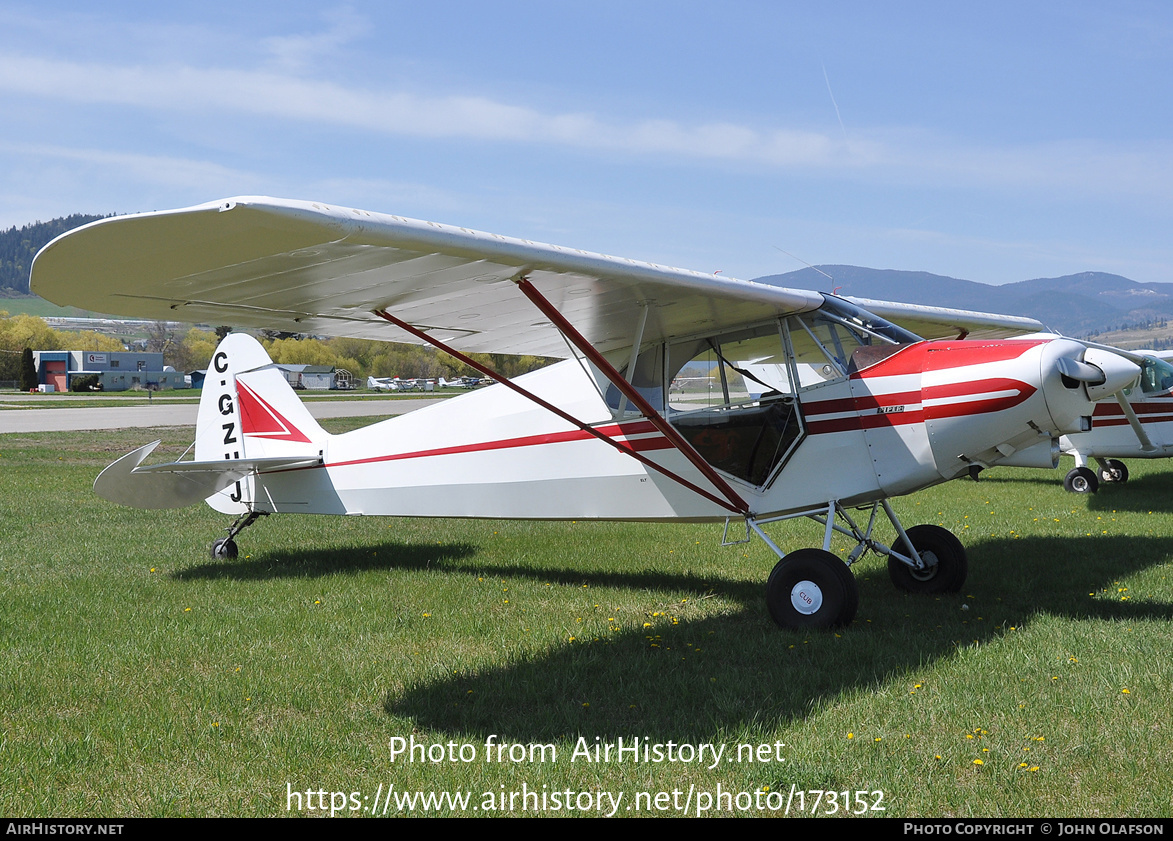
(138, 677)
(35, 305)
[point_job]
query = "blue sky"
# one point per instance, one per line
(994, 142)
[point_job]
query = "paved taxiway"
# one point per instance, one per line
(175, 414)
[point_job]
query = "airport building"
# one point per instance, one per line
(115, 371)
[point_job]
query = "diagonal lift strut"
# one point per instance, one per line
(732, 502)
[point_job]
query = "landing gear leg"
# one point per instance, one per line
(945, 564)
(225, 547)
(812, 588)
(809, 588)
(806, 590)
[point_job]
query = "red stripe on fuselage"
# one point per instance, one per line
(913, 360)
(862, 403)
(859, 406)
(855, 422)
(1148, 407)
(1099, 423)
(639, 445)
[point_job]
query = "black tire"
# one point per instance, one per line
(224, 549)
(810, 588)
(1114, 472)
(1081, 481)
(938, 547)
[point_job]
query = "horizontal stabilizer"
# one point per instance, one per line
(180, 483)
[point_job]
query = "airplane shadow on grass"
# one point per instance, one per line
(316, 563)
(1150, 492)
(738, 672)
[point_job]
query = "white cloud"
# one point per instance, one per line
(293, 53)
(163, 170)
(904, 157)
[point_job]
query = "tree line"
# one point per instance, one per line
(191, 350)
(18, 246)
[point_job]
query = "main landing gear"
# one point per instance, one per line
(1083, 480)
(224, 549)
(812, 588)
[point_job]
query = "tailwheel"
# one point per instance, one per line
(947, 565)
(1081, 480)
(1113, 472)
(224, 549)
(810, 588)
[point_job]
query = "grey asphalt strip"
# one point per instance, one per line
(175, 414)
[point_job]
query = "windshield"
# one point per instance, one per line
(860, 320)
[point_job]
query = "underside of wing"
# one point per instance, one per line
(314, 268)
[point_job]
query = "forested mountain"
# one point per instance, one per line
(18, 246)
(1076, 305)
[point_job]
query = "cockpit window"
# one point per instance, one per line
(839, 338)
(1156, 375)
(734, 396)
(731, 398)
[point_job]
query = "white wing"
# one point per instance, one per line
(314, 268)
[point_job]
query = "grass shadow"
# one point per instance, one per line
(1151, 492)
(315, 563)
(732, 673)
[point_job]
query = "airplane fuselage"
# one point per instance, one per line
(921, 415)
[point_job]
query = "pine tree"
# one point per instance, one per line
(28, 371)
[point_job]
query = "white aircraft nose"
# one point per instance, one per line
(1118, 372)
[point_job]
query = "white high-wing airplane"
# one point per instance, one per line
(383, 383)
(822, 406)
(459, 382)
(1137, 424)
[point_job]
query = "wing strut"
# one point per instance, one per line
(1146, 444)
(631, 393)
(737, 507)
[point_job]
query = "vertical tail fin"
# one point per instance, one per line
(249, 410)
